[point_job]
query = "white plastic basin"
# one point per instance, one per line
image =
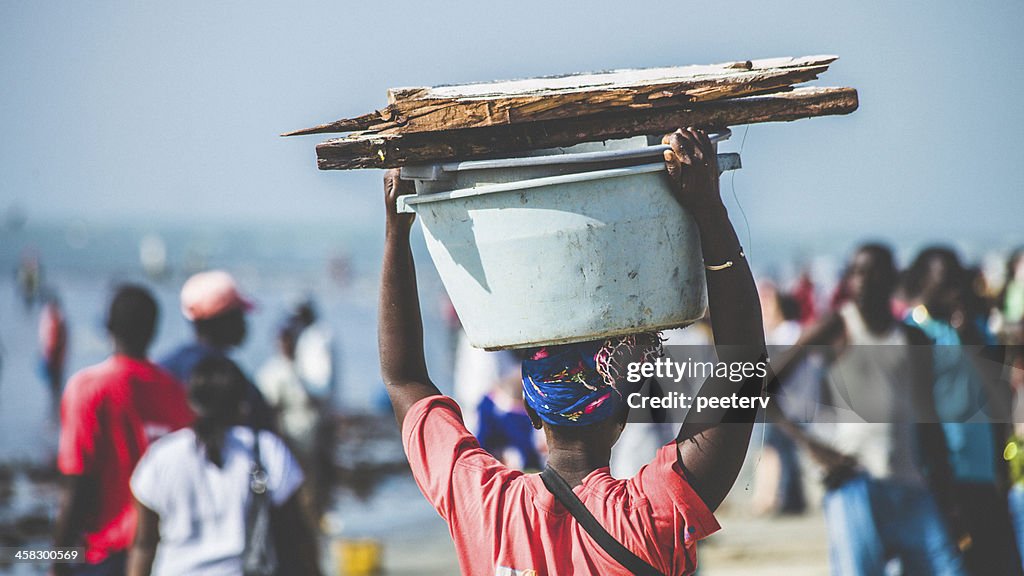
(565, 258)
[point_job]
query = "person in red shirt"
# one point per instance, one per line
(53, 344)
(504, 522)
(110, 413)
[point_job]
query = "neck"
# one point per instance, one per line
(574, 459)
(129, 351)
(210, 343)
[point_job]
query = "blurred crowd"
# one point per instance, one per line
(143, 470)
(932, 482)
(939, 365)
(177, 466)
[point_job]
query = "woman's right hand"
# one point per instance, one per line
(394, 187)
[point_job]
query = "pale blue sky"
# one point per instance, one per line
(170, 111)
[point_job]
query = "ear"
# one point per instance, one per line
(534, 418)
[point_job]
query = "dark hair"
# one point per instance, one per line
(789, 306)
(216, 391)
(132, 317)
(305, 313)
(882, 255)
(914, 277)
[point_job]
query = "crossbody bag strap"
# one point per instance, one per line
(564, 494)
(258, 472)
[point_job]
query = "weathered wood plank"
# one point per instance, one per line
(371, 150)
(536, 99)
(624, 78)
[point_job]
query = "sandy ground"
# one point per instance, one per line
(791, 546)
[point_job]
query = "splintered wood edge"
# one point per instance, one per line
(390, 151)
(599, 81)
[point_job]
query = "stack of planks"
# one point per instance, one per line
(500, 119)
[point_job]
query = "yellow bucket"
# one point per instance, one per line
(360, 557)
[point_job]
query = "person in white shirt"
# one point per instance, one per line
(315, 357)
(192, 488)
(299, 418)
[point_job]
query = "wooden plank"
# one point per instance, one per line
(536, 99)
(624, 78)
(371, 150)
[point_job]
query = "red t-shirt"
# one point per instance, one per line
(506, 523)
(109, 414)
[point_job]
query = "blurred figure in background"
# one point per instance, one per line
(216, 308)
(805, 296)
(778, 480)
(503, 426)
(1013, 451)
(29, 278)
(877, 502)
(193, 488)
(474, 373)
(651, 428)
(1011, 299)
(940, 305)
(53, 344)
(298, 417)
(315, 356)
(109, 415)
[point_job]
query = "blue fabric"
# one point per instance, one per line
(959, 402)
(562, 385)
(1016, 498)
(870, 520)
(499, 430)
(790, 490)
(183, 361)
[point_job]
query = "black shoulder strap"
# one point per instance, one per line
(257, 471)
(564, 494)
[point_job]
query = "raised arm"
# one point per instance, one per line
(399, 326)
(712, 445)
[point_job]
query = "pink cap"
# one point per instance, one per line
(208, 294)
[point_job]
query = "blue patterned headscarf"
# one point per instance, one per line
(577, 384)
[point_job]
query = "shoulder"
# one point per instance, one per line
(440, 409)
(185, 356)
(174, 355)
(270, 443)
(89, 384)
(663, 482)
(161, 374)
(166, 454)
(174, 443)
(272, 371)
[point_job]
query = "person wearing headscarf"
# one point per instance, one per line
(503, 521)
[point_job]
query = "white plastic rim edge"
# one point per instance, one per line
(405, 203)
(728, 161)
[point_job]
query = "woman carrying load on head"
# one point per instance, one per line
(507, 522)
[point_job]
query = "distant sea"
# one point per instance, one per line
(277, 266)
